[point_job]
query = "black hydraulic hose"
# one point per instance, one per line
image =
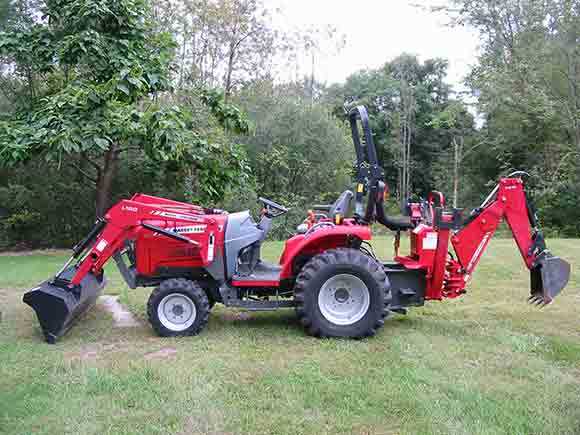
(383, 219)
(79, 248)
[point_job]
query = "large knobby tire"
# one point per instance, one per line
(342, 293)
(178, 307)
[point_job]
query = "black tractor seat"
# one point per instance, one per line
(341, 206)
(398, 223)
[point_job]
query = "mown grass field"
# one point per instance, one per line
(485, 364)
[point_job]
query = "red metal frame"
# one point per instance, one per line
(446, 276)
(124, 223)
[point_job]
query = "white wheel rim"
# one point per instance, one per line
(176, 312)
(344, 299)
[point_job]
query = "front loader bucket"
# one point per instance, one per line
(548, 278)
(57, 306)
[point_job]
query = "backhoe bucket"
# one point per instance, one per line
(57, 306)
(548, 278)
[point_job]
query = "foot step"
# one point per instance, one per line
(398, 310)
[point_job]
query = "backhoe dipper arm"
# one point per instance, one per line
(549, 274)
(510, 203)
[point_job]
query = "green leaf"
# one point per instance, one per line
(135, 82)
(102, 143)
(123, 88)
(94, 98)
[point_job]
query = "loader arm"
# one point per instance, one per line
(124, 221)
(59, 301)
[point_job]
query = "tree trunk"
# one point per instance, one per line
(458, 146)
(105, 181)
(408, 152)
(312, 80)
(183, 51)
(403, 179)
(228, 81)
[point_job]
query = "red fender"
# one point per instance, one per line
(318, 241)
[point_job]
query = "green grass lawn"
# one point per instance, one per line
(487, 363)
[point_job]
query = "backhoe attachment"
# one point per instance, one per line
(509, 201)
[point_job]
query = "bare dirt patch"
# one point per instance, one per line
(231, 316)
(87, 353)
(166, 352)
(99, 351)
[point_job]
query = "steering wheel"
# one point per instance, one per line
(273, 209)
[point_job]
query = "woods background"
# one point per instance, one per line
(100, 99)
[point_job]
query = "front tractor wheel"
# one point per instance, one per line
(178, 307)
(342, 293)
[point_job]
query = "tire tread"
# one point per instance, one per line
(337, 257)
(187, 287)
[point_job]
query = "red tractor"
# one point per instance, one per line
(196, 257)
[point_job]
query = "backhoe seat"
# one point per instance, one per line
(399, 223)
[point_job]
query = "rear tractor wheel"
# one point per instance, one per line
(342, 293)
(178, 307)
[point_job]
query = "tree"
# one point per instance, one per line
(298, 150)
(402, 97)
(528, 72)
(406, 120)
(95, 77)
(458, 123)
(221, 43)
(17, 11)
(526, 82)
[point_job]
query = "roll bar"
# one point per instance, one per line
(368, 169)
(370, 175)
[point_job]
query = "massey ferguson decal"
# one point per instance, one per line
(192, 229)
